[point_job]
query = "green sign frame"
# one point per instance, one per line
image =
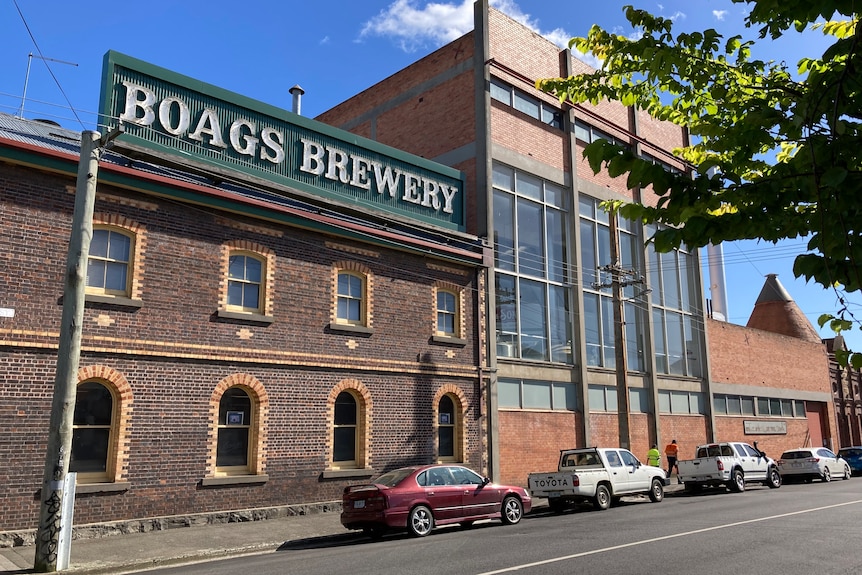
(190, 123)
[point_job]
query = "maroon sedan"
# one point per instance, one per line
(418, 498)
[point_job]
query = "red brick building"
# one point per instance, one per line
(562, 371)
(246, 343)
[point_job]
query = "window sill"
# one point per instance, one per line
(348, 473)
(448, 340)
(102, 487)
(114, 300)
(242, 316)
(233, 480)
(349, 328)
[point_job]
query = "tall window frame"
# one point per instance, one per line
(532, 268)
(678, 329)
(349, 427)
(352, 297)
(237, 420)
(95, 432)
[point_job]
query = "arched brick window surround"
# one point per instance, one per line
(363, 421)
(118, 467)
(461, 406)
(258, 430)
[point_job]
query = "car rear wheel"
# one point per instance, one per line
(773, 478)
(420, 522)
(656, 491)
(602, 499)
(826, 477)
(512, 510)
(846, 472)
(737, 481)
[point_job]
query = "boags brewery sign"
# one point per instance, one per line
(188, 122)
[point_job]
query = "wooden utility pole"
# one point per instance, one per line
(68, 355)
(620, 278)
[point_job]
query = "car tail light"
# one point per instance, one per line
(720, 464)
(780, 462)
(575, 481)
(813, 459)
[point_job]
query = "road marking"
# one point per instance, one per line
(663, 538)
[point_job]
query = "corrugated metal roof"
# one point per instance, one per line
(40, 133)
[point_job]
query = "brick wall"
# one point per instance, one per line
(531, 441)
(174, 351)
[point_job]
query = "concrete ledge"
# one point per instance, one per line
(150, 524)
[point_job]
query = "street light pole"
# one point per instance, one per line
(68, 356)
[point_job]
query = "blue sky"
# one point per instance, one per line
(335, 50)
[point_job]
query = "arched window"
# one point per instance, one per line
(109, 263)
(245, 291)
(351, 299)
(93, 432)
(446, 429)
(344, 440)
(234, 425)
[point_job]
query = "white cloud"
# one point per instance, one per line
(324, 40)
(413, 25)
(719, 14)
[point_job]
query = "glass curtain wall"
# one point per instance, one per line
(595, 244)
(531, 260)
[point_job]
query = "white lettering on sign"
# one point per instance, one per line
(341, 166)
(174, 117)
(244, 137)
(7, 312)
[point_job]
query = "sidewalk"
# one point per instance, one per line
(119, 554)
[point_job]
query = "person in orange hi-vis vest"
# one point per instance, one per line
(671, 451)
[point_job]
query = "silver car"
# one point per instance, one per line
(808, 463)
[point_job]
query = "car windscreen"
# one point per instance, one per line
(394, 477)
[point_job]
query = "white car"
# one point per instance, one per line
(808, 463)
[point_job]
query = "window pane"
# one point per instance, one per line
(611, 395)
(236, 267)
(99, 243)
(534, 342)
(507, 325)
(659, 342)
(561, 327)
(253, 269)
(719, 403)
(696, 403)
(582, 132)
(504, 178)
(774, 406)
(526, 104)
(670, 280)
(564, 396)
(608, 332)
(554, 196)
(596, 395)
(733, 405)
(589, 257)
(232, 447)
(664, 401)
(115, 276)
(676, 358)
(501, 92)
(504, 231)
(557, 250)
(800, 408)
(94, 404)
(537, 395)
(679, 402)
(529, 186)
(234, 400)
(344, 444)
(508, 393)
(96, 273)
(787, 407)
(692, 346)
(118, 248)
(638, 402)
(747, 405)
(763, 406)
(587, 207)
(446, 440)
(531, 259)
(592, 330)
(634, 341)
(251, 296)
(89, 450)
(345, 409)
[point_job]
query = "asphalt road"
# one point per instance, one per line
(798, 528)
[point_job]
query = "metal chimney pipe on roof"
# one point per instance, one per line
(297, 93)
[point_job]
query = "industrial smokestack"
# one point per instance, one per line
(297, 93)
(717, 285)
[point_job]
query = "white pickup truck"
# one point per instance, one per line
(597, 474)
(728, 464)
